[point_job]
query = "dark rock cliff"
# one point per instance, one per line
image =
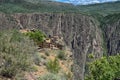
(80, 33)
(112, 36)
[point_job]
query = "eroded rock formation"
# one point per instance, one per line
(80, 33)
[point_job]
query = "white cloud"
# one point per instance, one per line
(85, 1)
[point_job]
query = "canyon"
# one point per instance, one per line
(81, 33)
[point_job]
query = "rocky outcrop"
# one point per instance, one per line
(79, 32)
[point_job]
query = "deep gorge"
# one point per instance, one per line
(80, 33)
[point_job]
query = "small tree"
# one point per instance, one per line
(53, 66)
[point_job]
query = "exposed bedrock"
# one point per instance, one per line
(80, 33)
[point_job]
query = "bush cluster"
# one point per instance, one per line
(36, 35)
(61, 55)
(106, 68)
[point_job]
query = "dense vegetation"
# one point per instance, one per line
(105, 68)
(112, 18)
(36, 35)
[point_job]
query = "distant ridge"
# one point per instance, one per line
(30, 6)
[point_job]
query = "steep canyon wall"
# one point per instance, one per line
(80, 33)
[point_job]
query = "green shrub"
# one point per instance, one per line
(37, 36)
(16, 53)
(20, 76)
(51, 76)
(91, 56)
(53, 66)
(104, 69)
(37, 58)
(68, 75)
(47, 53)
(61, 55)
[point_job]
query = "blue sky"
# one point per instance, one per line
(85, 1)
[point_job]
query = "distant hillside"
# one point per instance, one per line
(29, 7)
(101, 8)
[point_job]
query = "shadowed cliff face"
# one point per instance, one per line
(80, 33)
(112, 34)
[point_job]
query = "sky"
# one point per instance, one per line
(83, 2)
